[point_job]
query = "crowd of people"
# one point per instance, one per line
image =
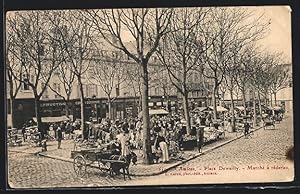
(167, 132)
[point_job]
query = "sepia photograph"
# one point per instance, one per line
(103, 98)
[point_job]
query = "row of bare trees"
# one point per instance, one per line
(215, 43)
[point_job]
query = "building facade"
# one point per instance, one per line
(124, 94)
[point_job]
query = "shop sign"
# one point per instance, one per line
(52, 104)
(88, 102)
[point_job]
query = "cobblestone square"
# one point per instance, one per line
(223, 164)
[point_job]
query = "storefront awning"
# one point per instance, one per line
(54, 119)
(155, 112)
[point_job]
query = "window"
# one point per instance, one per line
(91, 90)
(154, 59)
(25, 85)
(114, 54)
(56, 87)
(45, 93)
(56, 72)
(290, 82)
(156, 91)
(91, 71)
(32, 78)
(194, 94)
(117, 90)
(41, 50)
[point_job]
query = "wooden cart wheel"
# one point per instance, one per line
(79, 165)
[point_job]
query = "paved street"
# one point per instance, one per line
(244, 160)
(225, 164)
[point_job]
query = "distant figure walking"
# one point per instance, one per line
(246, 128)
(59, 137)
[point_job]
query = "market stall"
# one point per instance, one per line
(158, 112)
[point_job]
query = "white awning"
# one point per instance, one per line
(219, 109)
(277, 108)
(240, 107)
(155, 112)
(54, 119)
(200, 109)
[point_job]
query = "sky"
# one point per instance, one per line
(279, 35)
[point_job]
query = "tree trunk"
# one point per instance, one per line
(186, 112)
(259, 104)
(271, 100)
(266, 98)
(38, 115)
(12, 99)
(12, 103)
(109, 107)
(254, 111)
(275, 99)
(67, 113)
(146, 119)
(214, 100)
(244, 101)
(82, 104)
(232, 111)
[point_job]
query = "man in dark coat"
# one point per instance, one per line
(55, 126)
(59, 137)
(246, 128)
(200, 137)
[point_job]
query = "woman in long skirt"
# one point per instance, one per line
(161, 142)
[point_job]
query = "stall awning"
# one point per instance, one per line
(200, 109)
(155, 112)
(54, 119)
(240, 108)
(219, 109)
(277, 108)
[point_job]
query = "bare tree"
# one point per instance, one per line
(66, 77)
(258, 79)
(40, 55)
(13, 69)
(134, 82)
(279, 76)
(181, 49)
(75, 39)
(109, 73)
(227, 26)
(146, 28)
(245, 70)
(160, 80)
(230, 80)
